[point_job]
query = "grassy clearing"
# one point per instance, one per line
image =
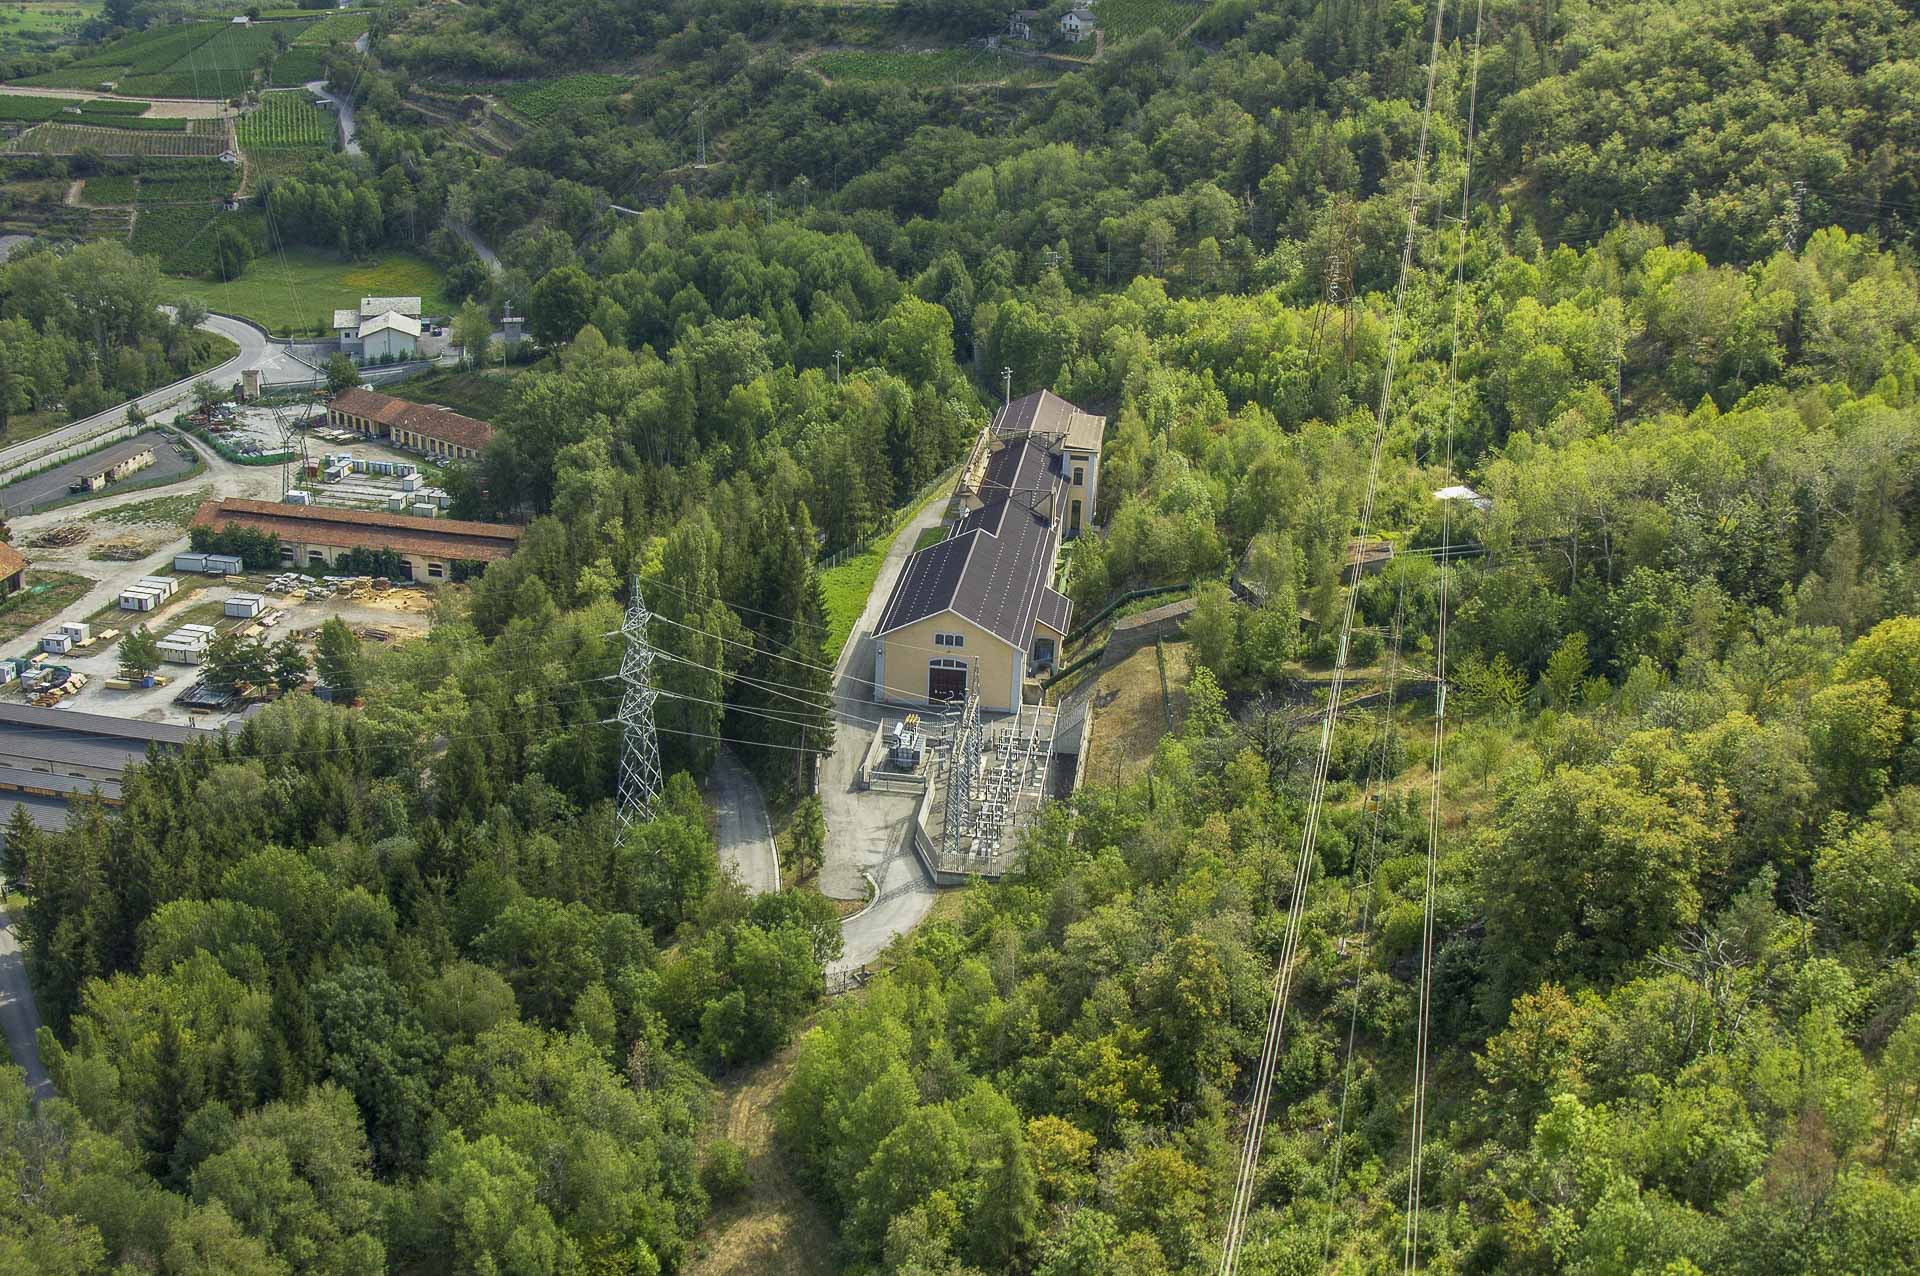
(930, 536)
(44, 596)
(774, 1226)
(304, 293)
(477, 394)
(26, 27)
(1129, 718)
(846, 586)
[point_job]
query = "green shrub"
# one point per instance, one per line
(725, 1173)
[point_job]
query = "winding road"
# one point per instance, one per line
(256, 351)
(344, 108)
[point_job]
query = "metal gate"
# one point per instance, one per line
(946, 680)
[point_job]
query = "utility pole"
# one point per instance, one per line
(836, 367)
(1006, 380)
(639, 782)
(700, 121)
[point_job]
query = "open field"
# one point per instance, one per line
(162, 511)
(311, 285)
(44, 596)
(31, 26)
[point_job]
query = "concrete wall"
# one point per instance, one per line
(901, 662)
(388, 342)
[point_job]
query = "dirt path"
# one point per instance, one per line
(774, 1228)
(73, 190)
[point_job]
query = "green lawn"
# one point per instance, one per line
(846, 586)
(305, 291)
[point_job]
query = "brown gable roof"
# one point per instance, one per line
(449, 538)
(11, 560)
(422, 418)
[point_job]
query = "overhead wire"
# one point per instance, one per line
(1417, 1134)
(1282, 986)
(1376, 810)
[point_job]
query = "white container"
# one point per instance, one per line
(425, 509)
(410, 483)
(164, 585)
(244, 606)
(223, 565)
(138, 599)
(56, 644)
(76, 630)
(190, 562)
(297, 497)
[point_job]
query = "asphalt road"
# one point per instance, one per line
(344, 108)
(51, 485)
(869, 834)
(742, 832)
(18, 1017)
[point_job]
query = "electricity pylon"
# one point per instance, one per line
(639, 782)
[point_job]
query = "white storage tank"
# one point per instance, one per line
(244, 606)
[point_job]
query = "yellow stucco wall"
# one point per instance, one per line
(907, 652)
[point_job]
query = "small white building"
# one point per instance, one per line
(389, 334)
(1078, 24)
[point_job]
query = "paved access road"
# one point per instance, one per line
(52, 485)
(344, 108)
(256, 351)
(744, 836)
(18, 1016)
(870, 834)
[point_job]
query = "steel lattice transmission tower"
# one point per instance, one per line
(639, 782)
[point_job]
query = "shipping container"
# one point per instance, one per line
(396, 504)
(411, 483)
(223, 565)
(57, 644)
(165, 584)
(244, 606)
(425, 509)
(79, 631)
(297, 497)
(138, 600)
(190, 562)
(181, 653)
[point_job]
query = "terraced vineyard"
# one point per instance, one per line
(933, 66)
(201, 137)
(186, 60)
(543, 99)
(107, 191)
(178, 203)
(1123, 19)
(286, 121)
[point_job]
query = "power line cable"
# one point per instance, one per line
(1284, 970)
(1418, 1132)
